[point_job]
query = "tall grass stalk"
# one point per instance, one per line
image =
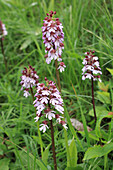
(83, 118)
(57, 75)
(40, 138)
(53, 145)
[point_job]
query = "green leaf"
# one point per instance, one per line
(51, 5)
(98, 151)
(103, 87)
(74, 168)
(39, 162)
(73, 154)
(26, 43)
(99, 111)
(22, 154)
(104, 97)
(98, 128)
(93, 136)
(2, 148)
(110, 70)
(4, 164)
(45, 155)
(72, 128)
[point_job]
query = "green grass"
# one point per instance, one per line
(88, 25)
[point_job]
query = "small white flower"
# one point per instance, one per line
(83, 77)
(95, 58)
(41, 107)
(51, 38)
(59, 108)
(47, 45)
(61, 67)
(37, 118)
(84, 61)
(88, 75)
(53, 56)
(59, 119)
(96, 63)
(44, 100)
(59, 59)
(48, 34)
(54, 101)
(45, 92)
(48, 60)
(37, 103)
(65, 126)
(56, 44)
(88, 67)
(84, 69)
(60, 50)
(56, 94)
(43, 128)
(96, 72)
(51, 30)
(50, 115)
(26, 93)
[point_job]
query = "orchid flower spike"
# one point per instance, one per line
(53, 37)
(3, 31)
(91, 67)
(29, 79)
(48, 104)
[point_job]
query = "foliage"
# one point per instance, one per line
(88, 25)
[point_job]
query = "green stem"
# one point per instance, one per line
(53, 145)
(105, 161)
(67, 148)
(83, 119)
(41, 145)
(59, 87)
(57, 75)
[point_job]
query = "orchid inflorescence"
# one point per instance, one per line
(48, 102)
(29, 79)
(3, 31)
(91, 67)
(53, 37)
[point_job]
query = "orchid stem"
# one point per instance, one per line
(57, 75)
(93, 101)
(53, 145)
(59, 87)
(2, 48)
(41, 145)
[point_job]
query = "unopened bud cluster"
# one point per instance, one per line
(48, 104)
(53, 37)
(3, 31)
(29, 79)
(91, 67)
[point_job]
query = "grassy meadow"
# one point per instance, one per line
(87, 25)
